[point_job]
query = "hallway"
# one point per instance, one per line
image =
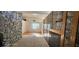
(39, 28)
(33, 40)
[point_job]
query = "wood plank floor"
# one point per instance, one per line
(34, 40)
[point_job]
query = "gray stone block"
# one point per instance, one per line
(10, 27)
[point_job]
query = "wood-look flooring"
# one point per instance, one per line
(31, 40)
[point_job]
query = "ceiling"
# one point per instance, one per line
(35, 15)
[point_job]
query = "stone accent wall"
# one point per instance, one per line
(55, 21)
(77, 39)
(54, 40)
(10, 26)
(68, 28)
(57, 24)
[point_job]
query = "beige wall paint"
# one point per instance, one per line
(26, 27)
(38, 29)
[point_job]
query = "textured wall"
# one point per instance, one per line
(57, 18)
(54, 40)
(57, 24)
(77, 35)
(10, 26)
(68, 28)
(54, 19)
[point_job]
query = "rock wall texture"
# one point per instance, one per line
(56, 23)
(68, 28)
(10, 26)
(54, 19)
(57, 18)
(77, 39)
(54, 40)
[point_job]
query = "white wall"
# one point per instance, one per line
(26, 26)
(38, 29)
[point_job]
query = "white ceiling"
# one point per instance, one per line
(35, 15)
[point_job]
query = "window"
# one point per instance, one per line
(47, 26)
(35, 25)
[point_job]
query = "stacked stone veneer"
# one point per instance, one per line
(68, 24)
(54, 40)
(68, 27)
(77, 39)
(10, 27)
(57, 20)
(57, 24)
(54, 19)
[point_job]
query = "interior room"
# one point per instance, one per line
(39, 28)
